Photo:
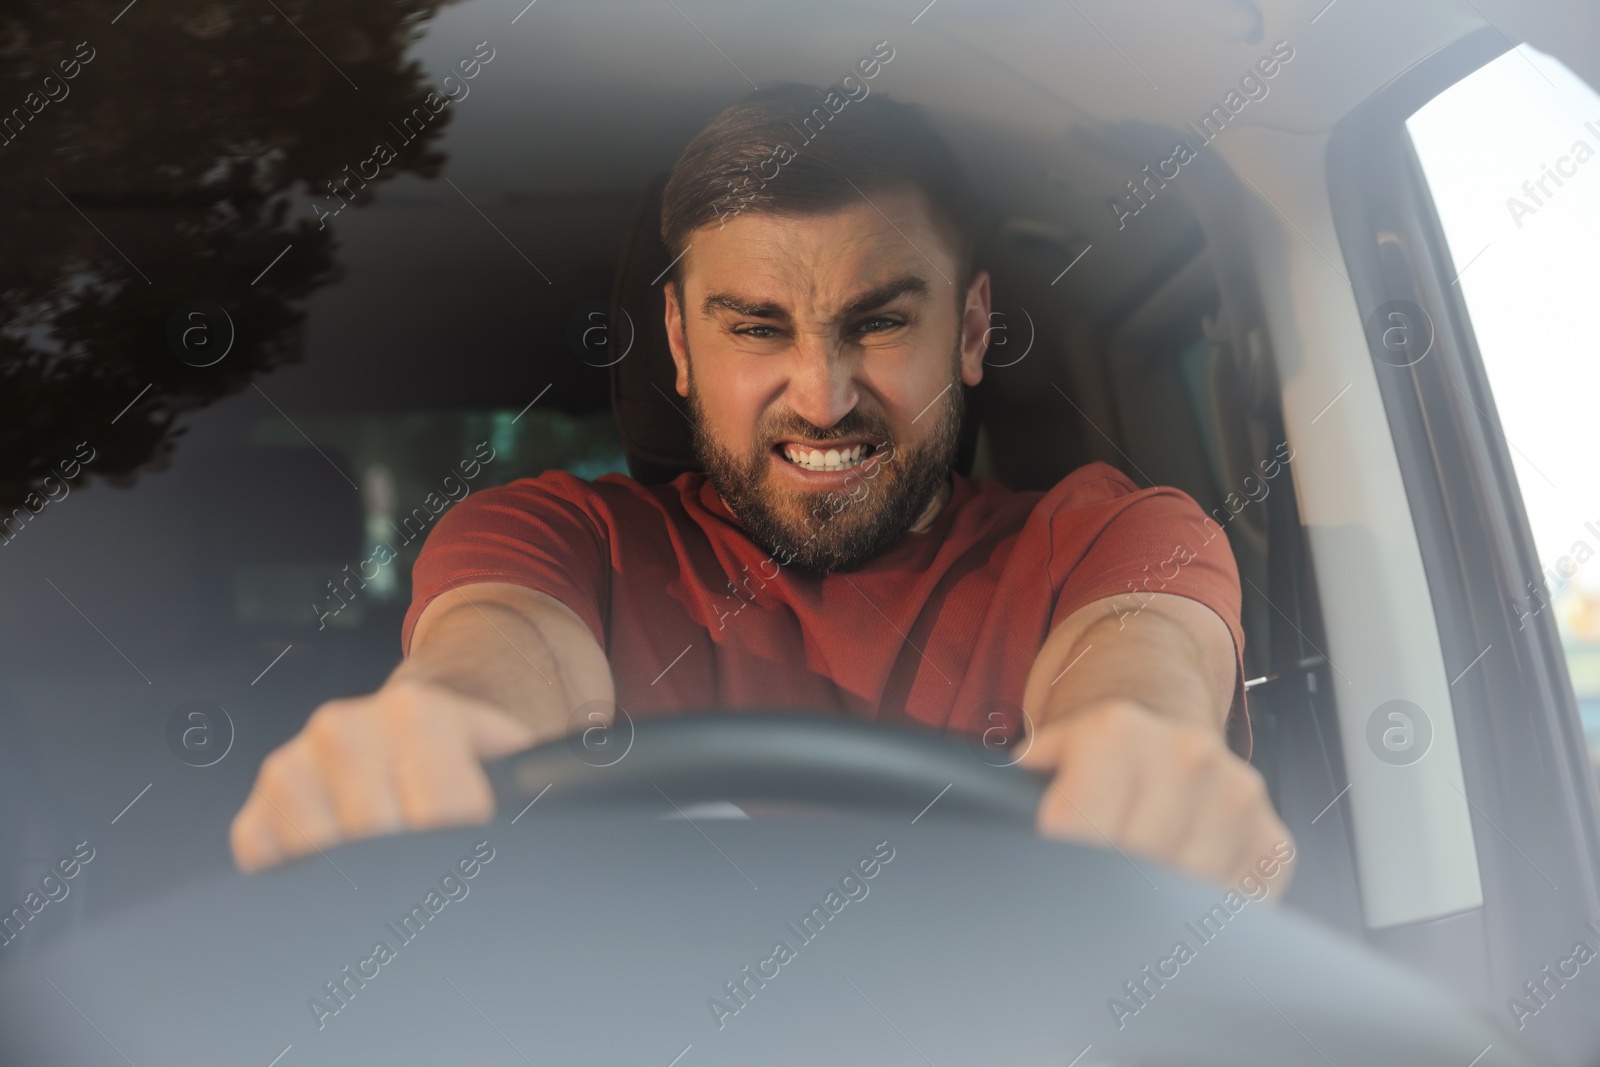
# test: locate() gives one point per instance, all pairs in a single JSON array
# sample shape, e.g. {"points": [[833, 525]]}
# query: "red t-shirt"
{"points": [[939, 631]]}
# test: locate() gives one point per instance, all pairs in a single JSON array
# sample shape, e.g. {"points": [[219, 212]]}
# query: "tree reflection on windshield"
{"points": [[148, 167]]}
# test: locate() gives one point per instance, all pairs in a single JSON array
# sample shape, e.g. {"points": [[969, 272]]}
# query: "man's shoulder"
{"points": [[1090, 484], [1098, 494]]}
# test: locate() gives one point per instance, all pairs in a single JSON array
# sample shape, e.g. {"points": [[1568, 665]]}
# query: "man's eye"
{"points": [[878, 324]]}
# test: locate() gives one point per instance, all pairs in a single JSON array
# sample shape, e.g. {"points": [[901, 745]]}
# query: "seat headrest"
{"points": [[651, 417], [653, 420]]}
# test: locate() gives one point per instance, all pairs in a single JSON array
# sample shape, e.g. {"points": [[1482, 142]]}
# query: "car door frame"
{"points": [[1526, 766]]}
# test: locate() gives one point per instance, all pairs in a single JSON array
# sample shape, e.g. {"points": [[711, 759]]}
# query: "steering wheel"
{"points": [[776, 755], [579, 927]]}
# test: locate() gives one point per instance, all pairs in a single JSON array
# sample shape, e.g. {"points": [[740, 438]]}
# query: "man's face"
{"points": [[839, 335]]}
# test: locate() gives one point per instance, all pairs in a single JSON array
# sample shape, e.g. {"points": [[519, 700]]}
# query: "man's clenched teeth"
{"points": [[831, 460]]}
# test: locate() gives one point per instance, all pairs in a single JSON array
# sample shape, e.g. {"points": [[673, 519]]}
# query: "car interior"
{"points": [[498, 291]]}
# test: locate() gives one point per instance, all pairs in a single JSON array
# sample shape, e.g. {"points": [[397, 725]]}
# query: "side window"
{"points": [[1511, 155]]}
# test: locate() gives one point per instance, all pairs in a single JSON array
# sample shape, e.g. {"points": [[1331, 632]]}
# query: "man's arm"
{"points": [[1128, 711], [516, 648], [493, 668]]}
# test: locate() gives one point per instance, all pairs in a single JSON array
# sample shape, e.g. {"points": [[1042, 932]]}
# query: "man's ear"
{"points": [[975, 326], [675, 338]]}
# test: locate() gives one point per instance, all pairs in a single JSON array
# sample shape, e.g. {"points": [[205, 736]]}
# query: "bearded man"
{"points": [[827, 557]]}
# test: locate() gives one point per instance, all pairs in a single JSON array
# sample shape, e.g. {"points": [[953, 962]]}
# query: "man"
{"points": [[822, 318]]}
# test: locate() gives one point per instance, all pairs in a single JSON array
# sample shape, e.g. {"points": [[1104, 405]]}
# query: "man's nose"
{"points": [[822, 387]]}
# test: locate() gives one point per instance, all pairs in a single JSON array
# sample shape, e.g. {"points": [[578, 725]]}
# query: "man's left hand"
{"points": [[1156, 787]]}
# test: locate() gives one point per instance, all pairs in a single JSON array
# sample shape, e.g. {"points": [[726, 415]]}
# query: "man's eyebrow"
{"points": [[873, 298], [910, 283]]}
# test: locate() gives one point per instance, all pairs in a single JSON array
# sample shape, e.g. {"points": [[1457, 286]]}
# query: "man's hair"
{"points": [[870, 145]]}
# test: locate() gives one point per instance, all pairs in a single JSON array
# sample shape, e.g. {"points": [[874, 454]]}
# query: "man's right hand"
{"points": [[407, 757], [493, 668]]}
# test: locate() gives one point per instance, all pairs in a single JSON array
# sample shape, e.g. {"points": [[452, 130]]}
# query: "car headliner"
{"points": [[1056, 108]]}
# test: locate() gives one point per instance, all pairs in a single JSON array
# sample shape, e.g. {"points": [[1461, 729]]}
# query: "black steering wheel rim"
{"points": [[772, 755]]}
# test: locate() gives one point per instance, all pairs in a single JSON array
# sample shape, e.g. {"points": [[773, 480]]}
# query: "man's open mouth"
{"points": [[830, 458]]}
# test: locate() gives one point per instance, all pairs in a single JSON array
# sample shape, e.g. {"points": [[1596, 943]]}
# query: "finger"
{"points": [[251, 836], [1094, 791], [1234, 830], [1260, 830], [297, 815], [249, 839], [438, 777], [1185, 783], [1043, 746], [355, 762]]}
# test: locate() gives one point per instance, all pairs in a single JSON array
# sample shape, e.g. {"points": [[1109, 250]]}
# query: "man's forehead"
{"points": [[757, 302], [828, 260]]}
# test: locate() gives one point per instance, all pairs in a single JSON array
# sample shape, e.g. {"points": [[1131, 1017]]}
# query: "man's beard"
{"points": [[826, 531]]}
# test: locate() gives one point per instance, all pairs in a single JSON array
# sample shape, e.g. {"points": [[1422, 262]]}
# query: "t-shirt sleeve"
{"points": [[1109, 538], [543, 533]]}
